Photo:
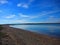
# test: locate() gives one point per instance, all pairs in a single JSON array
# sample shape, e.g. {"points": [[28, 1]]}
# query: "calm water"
{"points": [[51, 30]]}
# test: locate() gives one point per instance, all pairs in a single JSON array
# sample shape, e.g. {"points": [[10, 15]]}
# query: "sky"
{"points": [[29, 11]]}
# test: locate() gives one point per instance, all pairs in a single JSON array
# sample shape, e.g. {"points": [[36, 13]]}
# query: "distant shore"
{"points": [[29, 38], [30, 24]]}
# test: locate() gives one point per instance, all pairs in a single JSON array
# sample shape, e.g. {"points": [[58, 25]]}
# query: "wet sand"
{"points": [[23, 37]]}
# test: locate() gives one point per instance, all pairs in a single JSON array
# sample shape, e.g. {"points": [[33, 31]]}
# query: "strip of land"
{"points": [[23, 37]]}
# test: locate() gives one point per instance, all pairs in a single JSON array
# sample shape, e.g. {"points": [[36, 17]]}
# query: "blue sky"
{"points": [[29, 11]]}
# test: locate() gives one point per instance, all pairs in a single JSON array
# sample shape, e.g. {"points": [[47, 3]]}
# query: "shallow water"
{"points": [[51, 30]]}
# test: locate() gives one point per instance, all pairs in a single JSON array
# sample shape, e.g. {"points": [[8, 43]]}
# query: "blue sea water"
{"points": [[51, 30]]}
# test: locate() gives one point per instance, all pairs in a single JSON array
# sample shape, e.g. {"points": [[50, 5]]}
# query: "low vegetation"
{"points": [[1, 34], [1, 27], [1, 30]]}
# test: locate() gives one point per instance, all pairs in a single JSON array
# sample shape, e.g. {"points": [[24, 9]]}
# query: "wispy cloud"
{"points": [[19, 4], [49, 12], [3, 1], [27, 16], [22, 5], [45, 13], [25, 5], [10, 16], [41, 14], [51, 18], [22, 15]]}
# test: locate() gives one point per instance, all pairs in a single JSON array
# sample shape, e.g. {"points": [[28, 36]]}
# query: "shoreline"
{"points": [[57, 37], [32, 32], [35, 33], [30, 38]]}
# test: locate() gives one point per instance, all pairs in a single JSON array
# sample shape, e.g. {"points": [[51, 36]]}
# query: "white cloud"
{"points": [[19, 5], [28, 16], [10, 16], [22, 5], [3, 1], [25, 5], [22, 15]]}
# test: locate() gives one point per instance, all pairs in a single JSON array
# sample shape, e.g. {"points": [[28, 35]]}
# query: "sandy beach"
{"points": [[23, 37]]}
